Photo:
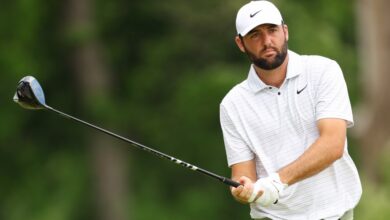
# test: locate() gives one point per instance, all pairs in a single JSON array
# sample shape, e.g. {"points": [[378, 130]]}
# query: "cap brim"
{"points": [[255, 24]]}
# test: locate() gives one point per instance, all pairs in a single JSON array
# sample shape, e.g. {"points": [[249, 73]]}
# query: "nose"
{"points": [[267, 39]]}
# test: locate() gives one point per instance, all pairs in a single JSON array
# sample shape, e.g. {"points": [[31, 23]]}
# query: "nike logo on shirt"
{"points": [[299, 91]]}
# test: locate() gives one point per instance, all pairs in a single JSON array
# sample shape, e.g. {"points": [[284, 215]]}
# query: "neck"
{"points": [[273, 77]]}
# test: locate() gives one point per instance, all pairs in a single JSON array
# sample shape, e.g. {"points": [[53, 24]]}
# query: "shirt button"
{"points": [[279, 93]]}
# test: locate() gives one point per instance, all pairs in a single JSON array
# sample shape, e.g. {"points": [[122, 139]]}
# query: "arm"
{"points": [[247, 168], [264, 191], [244, 173], [237, 150], [323, 152], [333, 111], [328, 148]]}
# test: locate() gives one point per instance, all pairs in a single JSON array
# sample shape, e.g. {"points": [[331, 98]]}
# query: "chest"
{"points": [[277, 112]]}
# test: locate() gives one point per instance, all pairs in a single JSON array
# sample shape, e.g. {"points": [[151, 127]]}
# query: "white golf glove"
{"points": [[271, 186]]}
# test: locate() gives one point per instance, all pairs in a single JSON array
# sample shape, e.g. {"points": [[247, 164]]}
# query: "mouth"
{"points": [[269, 52]]}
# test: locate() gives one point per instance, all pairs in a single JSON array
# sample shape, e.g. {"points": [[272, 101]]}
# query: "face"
{"points": [[265, 45]]}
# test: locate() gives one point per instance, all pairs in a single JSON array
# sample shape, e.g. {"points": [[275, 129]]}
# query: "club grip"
{"points": [[231, 182]]}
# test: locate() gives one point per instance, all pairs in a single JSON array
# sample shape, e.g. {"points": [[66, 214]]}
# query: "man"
{"points": [[284, 127]]}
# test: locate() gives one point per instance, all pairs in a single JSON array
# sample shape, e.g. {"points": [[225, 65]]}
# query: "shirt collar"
{"points": [[294, 68]]}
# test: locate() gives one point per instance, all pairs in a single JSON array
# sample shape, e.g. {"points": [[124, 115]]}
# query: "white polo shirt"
{"points": [[275, 126]]}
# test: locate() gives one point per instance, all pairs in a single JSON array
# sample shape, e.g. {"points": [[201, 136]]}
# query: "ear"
{"points": [[285, 30], [240, 44]]}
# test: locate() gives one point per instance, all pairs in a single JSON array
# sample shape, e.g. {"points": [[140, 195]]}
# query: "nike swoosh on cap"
{"points": [[254, 14]]}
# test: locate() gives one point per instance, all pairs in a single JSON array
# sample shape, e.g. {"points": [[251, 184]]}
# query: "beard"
{"points": [[264, 63]]}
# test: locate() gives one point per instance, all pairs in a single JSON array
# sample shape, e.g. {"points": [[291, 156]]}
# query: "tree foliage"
{"points": [[172, 62]]}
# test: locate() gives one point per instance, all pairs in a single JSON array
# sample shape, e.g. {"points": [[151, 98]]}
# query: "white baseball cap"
{"points": [[256, 13]]}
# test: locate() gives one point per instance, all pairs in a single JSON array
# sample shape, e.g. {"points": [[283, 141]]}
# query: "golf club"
{"points": [[29, 95]]}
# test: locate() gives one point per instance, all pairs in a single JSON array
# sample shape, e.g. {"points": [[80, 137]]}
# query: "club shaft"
{"points": [[225, 180]]}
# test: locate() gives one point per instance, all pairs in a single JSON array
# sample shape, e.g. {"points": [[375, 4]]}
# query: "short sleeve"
{"points": [[332, 100], [236, 149]]}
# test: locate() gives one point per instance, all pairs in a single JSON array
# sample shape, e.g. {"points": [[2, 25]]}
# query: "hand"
{"points": [[243, 192], [271, 188]]}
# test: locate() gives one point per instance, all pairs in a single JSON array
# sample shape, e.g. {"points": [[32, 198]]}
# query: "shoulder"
{"points": [[316, 67], [317, 62], [237, 93]]}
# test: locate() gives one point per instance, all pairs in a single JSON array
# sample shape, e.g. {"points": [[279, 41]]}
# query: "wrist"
{"points": [[272, 187], [277, 182]]}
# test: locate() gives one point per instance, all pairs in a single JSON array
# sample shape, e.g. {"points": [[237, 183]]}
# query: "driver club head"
{"points": [[29, 94]]}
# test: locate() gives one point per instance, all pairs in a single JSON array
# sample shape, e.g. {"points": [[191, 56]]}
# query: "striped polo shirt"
{"points": [[274, 126]]}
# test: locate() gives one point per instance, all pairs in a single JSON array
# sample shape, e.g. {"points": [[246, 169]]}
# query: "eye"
{"points": [[254, 35], [273, 30]]}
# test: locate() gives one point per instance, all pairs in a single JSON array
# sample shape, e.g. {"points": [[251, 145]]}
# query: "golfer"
{"points": [[284, 127]]}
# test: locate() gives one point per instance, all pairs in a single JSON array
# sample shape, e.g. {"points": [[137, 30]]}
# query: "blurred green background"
{"points": [[156, 71]]}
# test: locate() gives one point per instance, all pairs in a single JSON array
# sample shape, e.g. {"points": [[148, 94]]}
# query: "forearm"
{"points": [[245, 174], [320, 155]]}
